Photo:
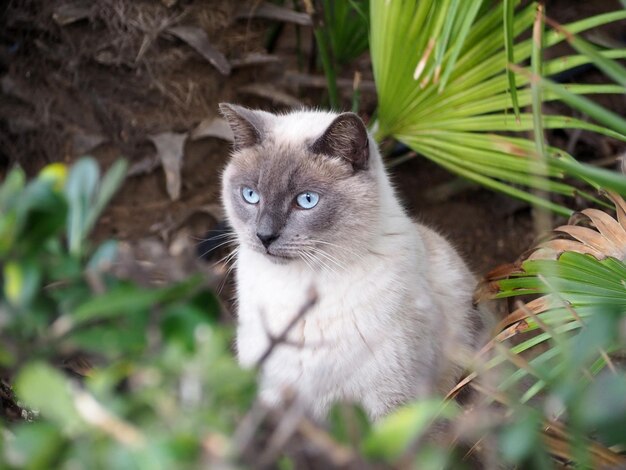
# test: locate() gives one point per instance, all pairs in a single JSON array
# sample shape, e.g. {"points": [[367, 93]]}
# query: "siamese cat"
{"points": [[311, 204]]}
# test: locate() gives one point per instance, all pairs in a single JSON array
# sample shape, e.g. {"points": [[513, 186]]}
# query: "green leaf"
{"points": [[41, 213], [9, 227], [109, 185], [346, 24], [285, 463], [22, 280], [603, 404], [35, 446], [348, 423], [466, 24], [88, 196], [391, 436], [598, 177], [127, 299], [7, 358], [11, 187], [471, 97], [509, 7], [586, 288], [519, 440], [120, 301], [611, 68], [597, 112], [179, 324], [80, 188], [104, 256], [537, 65], [124, 339], [44, 389]]}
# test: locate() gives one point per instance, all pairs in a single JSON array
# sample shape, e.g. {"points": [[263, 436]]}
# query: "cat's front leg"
{"points": [[251, 342]]}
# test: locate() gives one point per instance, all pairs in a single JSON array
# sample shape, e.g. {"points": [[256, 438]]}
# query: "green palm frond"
{"points": [[548, 353], [445, 89], [580, 276]]}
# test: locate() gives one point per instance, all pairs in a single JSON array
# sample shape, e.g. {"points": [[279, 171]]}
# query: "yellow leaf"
{"points": [[56, 173], [13, 282]]}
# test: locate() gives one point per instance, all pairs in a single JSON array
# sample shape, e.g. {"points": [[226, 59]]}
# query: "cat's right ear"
{"points": [[246, 124]]}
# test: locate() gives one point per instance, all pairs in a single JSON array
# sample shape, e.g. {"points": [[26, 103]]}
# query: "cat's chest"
{"points": [[274, 294]]}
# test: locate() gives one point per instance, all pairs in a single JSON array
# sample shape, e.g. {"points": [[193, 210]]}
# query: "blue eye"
{"points": [[250, 195], [307, 199]]}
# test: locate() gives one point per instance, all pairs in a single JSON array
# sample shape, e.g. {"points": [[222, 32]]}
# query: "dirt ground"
{"points": [[104, 78]]}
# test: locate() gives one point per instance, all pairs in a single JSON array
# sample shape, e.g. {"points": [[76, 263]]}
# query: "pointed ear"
{"points": [[346, 137], [246, 124]]}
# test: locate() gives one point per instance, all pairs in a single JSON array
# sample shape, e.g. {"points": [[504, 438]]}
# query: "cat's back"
{"points": [[451, 285], [447, 268]]}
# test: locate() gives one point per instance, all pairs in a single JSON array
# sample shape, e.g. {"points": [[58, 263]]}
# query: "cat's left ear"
{"points": [[346, 137]]}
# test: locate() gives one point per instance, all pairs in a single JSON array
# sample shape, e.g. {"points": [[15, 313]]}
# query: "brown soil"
{"points": [[117, 75]]}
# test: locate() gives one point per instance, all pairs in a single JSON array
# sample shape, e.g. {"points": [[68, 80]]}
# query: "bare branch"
{"points": [[282, 337]]}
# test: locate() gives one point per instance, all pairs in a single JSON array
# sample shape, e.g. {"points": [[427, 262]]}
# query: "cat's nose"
{"points": [[267, 238]]}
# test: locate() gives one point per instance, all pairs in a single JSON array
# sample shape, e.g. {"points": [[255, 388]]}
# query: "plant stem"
{"points": [[325, 54], [329, 68]]}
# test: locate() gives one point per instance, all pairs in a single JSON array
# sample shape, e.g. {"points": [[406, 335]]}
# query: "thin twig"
{"points": [[338, 454], [245, 432], [282, 337], [289, 422], [256, 415]]}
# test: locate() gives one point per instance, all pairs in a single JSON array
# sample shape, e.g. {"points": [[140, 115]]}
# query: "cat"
{"points": [[311, 204]]}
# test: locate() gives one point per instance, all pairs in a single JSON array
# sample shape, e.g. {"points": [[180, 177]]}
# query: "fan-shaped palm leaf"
{"points": [[445, 89], [578, 279], [580, 273]]}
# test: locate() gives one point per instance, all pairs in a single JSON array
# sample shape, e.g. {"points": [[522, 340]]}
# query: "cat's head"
{"points": [[301, 186]]}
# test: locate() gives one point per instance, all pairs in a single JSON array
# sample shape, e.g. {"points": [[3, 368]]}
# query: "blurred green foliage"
{"points": [[165, 381], [342, 35], [566, 341]]}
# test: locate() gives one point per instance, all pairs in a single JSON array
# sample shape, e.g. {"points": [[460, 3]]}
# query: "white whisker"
{"points": [[302, 257], [214, 237], [230, 261], [218, 246], [313, 251], [339, 247], [314, 261], [328, 257]]}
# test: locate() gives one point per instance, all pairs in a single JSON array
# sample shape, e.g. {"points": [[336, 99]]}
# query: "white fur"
{"points": [[389, 324]]}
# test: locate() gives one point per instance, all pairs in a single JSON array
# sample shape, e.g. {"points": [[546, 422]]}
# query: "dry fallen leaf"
{"points": [[144, 166], [212, 127], [254, 59], [274, 12], [270, 92], [83, 143], [170, 149], [198, 39], [72, 12]]}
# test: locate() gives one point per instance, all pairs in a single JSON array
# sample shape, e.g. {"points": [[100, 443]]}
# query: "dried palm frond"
{"points": [[607, 240], [579, 276], [578, 281]]}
